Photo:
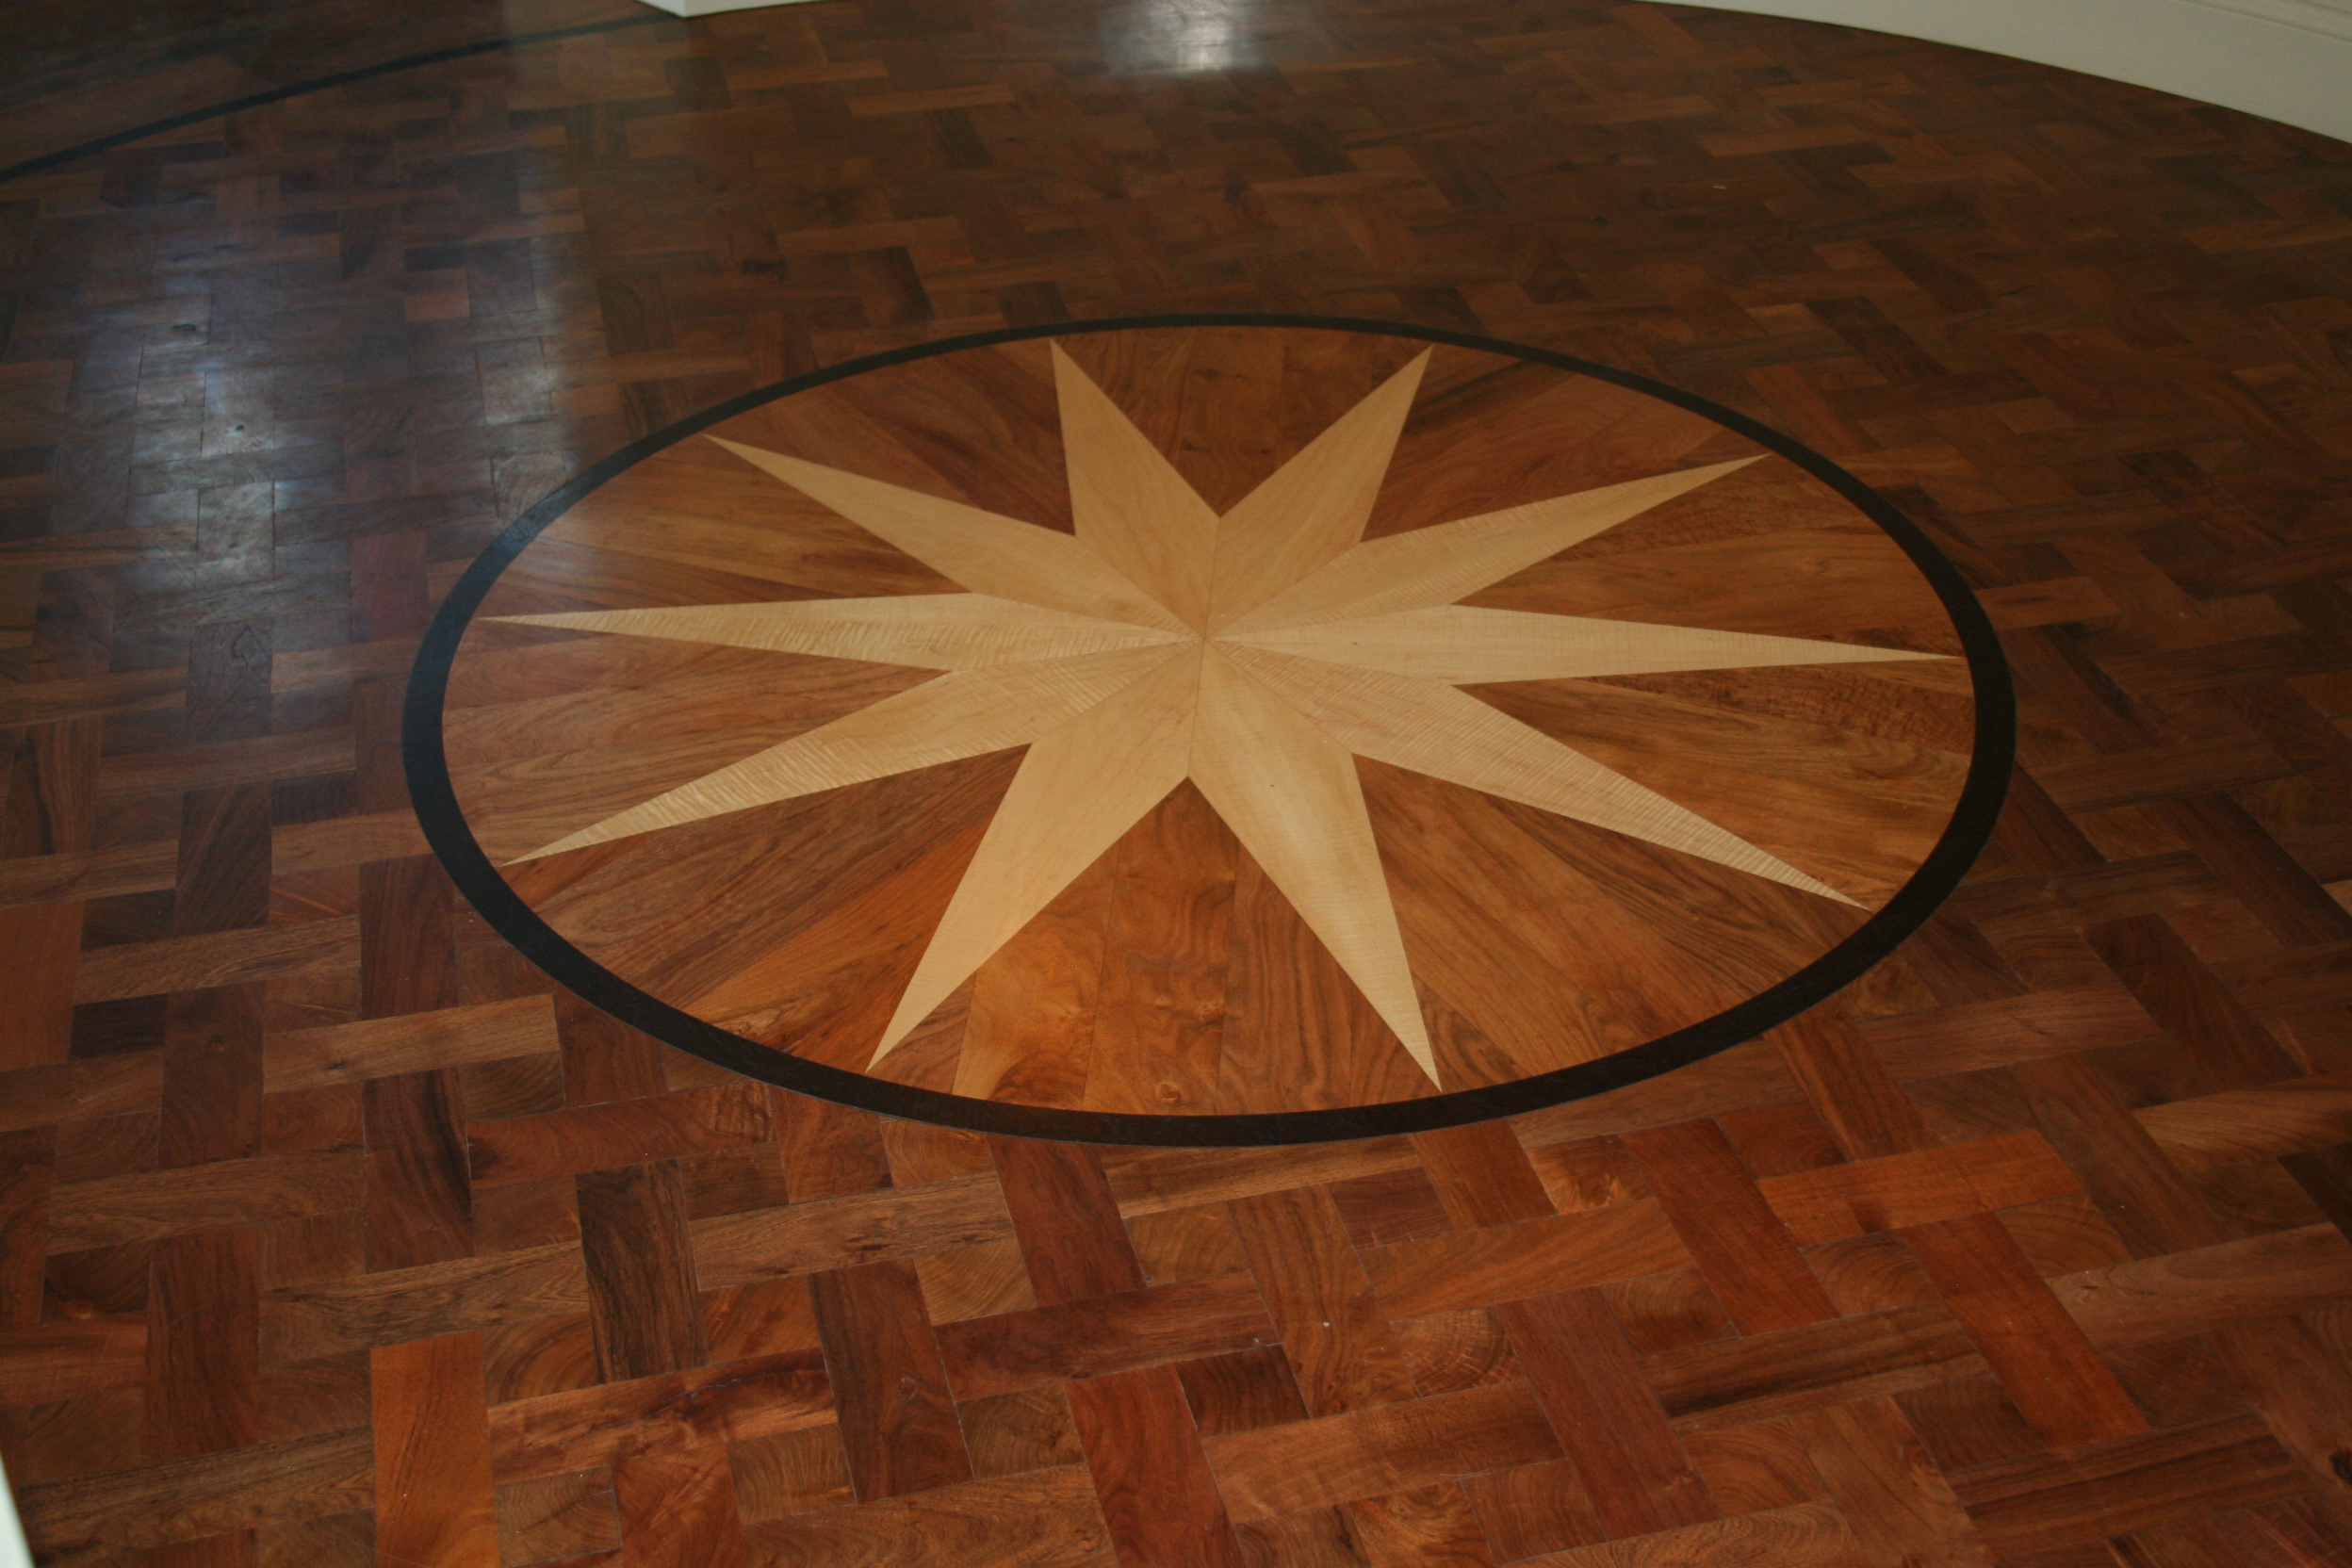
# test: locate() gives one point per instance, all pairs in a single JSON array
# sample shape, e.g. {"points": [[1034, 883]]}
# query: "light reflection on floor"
{"points": [[1185, 35]]}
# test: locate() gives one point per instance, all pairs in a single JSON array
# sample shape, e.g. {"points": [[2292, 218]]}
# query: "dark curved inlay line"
{"points": [[1979, 805], [317, 84]]}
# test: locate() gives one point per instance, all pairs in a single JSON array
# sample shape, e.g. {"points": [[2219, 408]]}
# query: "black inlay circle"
{"points": [[1975, 810]]}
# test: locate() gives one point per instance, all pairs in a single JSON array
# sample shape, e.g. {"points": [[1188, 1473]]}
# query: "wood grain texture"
{"points": [[274, 378], [1751, 1261], [1159, 1501], [1585, 1375], [1313, 508], [2061, 1389], [1111, 727], [898, 1426], [1290, 792], [433, 1453]]}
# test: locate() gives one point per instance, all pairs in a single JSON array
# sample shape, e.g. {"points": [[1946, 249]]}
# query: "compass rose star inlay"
{"points": [[1256, 654]]}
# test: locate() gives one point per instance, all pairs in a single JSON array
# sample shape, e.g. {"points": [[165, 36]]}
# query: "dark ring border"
{"points": [[1939, 874]]}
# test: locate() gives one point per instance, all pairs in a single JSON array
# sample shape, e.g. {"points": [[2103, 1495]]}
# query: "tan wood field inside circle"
{"points": [[1209, 720]]}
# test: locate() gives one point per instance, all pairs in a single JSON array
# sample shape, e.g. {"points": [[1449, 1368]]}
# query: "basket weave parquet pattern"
{"points": [[332, 1238]]}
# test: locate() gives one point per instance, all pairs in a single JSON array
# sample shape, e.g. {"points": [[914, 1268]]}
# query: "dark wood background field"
{"points": [[332, 1237]]}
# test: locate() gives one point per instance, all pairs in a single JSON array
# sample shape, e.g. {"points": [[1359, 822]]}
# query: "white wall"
{"points": [[2283, 59]]}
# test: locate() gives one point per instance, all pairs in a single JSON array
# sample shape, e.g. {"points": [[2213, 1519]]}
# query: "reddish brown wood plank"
{"points": [[433, 1453], [552, 1434], [633, 1239], [2041, 1357], [1633, 1467], [1015, 1350], [1158, 1495], [203, 1343], [898, 1422], [1482, 1175], [677, 1511], [1531, 1258], [1065, 1219], [1321, 1303], [1732, 1235], [1913, 1189]]}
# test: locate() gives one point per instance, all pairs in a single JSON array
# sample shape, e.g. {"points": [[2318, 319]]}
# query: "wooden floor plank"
{"points": [[2057, 1385], [679, 1509], [1337, 1340], [898, 1422], [1065, 1219], [1158, 1499], [1747, 1256], [433, 1453], [1608, 1419]]}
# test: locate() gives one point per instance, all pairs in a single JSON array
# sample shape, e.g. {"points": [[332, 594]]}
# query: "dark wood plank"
{"points": [[1732, 1235], [587, 1426], [434, 1501], [1331, 1326], [1014, 1350], [605, 1060], [2230, 1045], [829, 1150], [1071, 1237], [1633, 1468], [1158, 1496], [678, 1510], [419, 1204], [2044, 1361], [898, 1422], [212, 1076], [1849, 1084], [203, 1345], [1482, 1175], [642, 1296]]}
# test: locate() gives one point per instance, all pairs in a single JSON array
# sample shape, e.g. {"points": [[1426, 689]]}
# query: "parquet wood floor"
{"points": [[333, 1236]]}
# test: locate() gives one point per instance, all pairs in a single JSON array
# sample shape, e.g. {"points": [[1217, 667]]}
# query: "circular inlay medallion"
{"points": [[1209, 731]]}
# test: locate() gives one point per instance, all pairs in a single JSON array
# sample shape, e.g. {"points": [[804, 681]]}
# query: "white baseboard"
{"points": [[2289, 61]]}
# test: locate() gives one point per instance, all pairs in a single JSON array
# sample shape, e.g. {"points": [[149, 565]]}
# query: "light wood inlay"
{"points": [[1438, 565], [1289, 789], [1270, 656], [932, 632], [987, 553], [1462, 645], [1081, 785], [1315, 506], [1129, 502], [1433, 729], [962, 714]]}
